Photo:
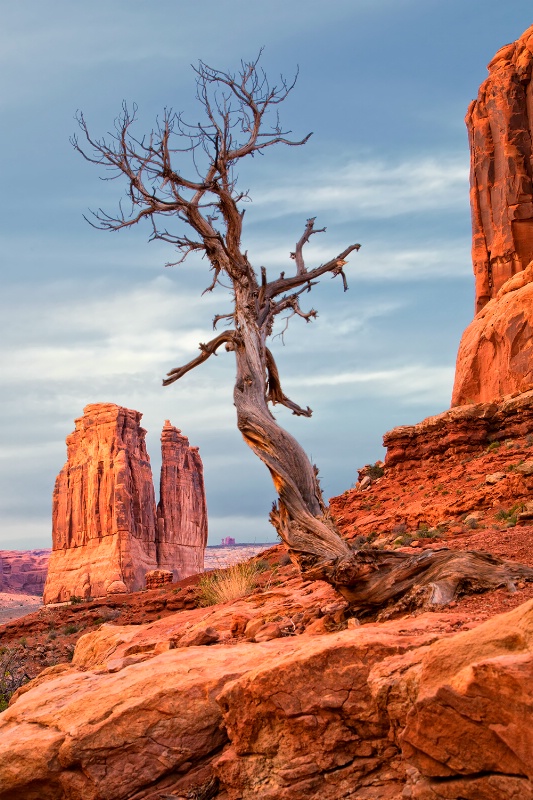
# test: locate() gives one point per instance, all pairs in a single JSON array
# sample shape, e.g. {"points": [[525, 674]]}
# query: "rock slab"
{"points": [[404, 709]]}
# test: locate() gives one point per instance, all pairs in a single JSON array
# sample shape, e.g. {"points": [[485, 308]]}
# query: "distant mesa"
{"points": [[495, 356], [228, 541], [106, 530], [23, 571]]}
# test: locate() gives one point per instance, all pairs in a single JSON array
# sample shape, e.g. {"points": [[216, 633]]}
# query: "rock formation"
{"points": [[410, 708], [107, 533], [181, 512], [495, 355], [104, 514], [24, 571], [439, 476], [500, 127]]}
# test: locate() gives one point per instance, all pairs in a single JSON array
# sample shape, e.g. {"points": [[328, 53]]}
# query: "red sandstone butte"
{"points": [[182, 512], [495, 354], [104, 513]]}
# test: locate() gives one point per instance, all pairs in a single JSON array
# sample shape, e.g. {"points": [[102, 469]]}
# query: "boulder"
{"points": [[182, 511], [158, 577], [103, 512]]}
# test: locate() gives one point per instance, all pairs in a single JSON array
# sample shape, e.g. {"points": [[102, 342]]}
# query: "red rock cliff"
{"points": [[182, 512], [496, 353], [104, 514]]}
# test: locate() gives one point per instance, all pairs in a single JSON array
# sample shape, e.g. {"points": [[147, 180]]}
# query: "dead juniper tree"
{"points": [[187, 174]]}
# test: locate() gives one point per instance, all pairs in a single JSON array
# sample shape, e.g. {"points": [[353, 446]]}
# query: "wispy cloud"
{"points": [[404, 380], [368, 188]]}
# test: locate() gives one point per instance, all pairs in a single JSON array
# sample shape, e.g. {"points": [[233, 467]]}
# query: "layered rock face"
{"points": [[500, 127], [181, 512], [103, 513], [495, 354], [474, 459]]}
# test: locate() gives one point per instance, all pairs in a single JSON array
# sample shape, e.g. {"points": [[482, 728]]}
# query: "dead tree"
{"points": [[206, 208]]}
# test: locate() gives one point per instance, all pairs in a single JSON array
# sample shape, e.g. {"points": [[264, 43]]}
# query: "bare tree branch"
{"points": [[275, 393], [207, 350]]}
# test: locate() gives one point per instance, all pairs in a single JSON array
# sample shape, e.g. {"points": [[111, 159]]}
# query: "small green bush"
{"points": [[70, 628], [375, 471]]}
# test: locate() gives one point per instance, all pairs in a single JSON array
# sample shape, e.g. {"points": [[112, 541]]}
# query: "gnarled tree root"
{"points": [[391, 582]]}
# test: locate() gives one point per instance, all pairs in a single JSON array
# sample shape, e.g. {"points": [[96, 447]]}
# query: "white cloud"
{"points": [[413, 383], [368, 188]]}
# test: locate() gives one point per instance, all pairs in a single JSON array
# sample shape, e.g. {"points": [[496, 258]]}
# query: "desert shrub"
{"points": [[375, 471], [224, 585], [74, 599], [12, 674], [493, 446], [510, 516], [70, 628]]}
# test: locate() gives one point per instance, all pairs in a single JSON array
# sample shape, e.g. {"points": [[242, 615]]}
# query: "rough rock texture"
{"points": [[103, 515], [158, 577], [394, 710], [495, 354], [182, 511], [24, 570], [439, 473], [500, 127]]}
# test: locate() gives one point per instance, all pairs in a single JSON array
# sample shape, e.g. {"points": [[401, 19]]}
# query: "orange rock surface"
{"points": [[373, 711], [495, 354], [103, 514], [106, 531], [500, 127], [182, 511]]}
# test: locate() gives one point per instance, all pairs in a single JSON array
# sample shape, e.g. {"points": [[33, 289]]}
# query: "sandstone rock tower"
{"points": [[182, 512], [106, 531], [496, 352], [103, 510]]}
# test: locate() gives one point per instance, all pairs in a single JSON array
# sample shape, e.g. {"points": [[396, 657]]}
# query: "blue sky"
{"points": [[91, 317]]}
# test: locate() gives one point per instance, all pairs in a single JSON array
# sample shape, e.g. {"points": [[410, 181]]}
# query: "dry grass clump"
{"points": [[224, 585], [12, 675]]}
